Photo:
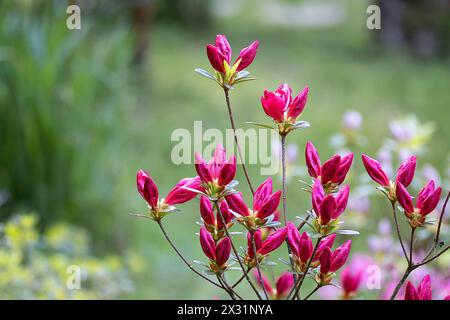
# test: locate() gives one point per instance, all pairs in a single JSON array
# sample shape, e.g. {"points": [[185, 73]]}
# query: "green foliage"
{"points": [[36, 267]]}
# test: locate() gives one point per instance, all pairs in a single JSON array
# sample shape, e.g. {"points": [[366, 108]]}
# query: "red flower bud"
{"points": [[227, 216], [206, 211], [429, 199], [270, 205], [223, 251], [273, 105], [423, 291], [284, 284], [247, 55], [326, 242], [329, 168], [237, 204], [216, 58], [404, 198], [202, 168], [340, 255], [344, 167], [341, 201], [147, 188], [405, 172], [327, 209], [325, 261], [293, 238], [375, 171], [350, 281], [224, 47], [312, 160], [265, 281], [208, 244], [306, 247], [318, 194], [258, 242], [262, 193], [227, 172], [181, 195], [298, 104], [273, 241]]}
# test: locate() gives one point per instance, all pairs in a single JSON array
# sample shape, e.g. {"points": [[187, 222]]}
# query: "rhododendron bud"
{"points": [[312, 160], [340, 255], [262, 193], [298, 104], [258, 242], [293, 238], [423, 291], [206, 211], [227, 172], [147, 188], [325, 261], [427, 201], [247, 55], [237, 204], [273, 241], [404, 198], [326, 242], [341, 201], [216, 58], [179, 193], [226, 214], [208, 244], [273, 105], [223, 251], [350, 281], [327, 209], [375, 171], [284, 110], [270, 205], [405, 172], [224, 47], [306, 247], [344, 167], [284, 284], [318, 194], [202, 168], [329, 168], [428, 198]]}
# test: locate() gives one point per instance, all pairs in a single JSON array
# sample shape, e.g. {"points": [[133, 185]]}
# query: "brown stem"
{"points": [[258, 268], [302, 224], [312, 292], [225, 287], [182, 257], [298, 285], [216, 204], [283, 165], [239, 281], [230, 115], [394, 212], [401, 282], [432, 258]]}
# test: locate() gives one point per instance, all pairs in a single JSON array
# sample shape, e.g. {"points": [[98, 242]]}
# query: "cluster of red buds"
{"points": [[223, 208]]}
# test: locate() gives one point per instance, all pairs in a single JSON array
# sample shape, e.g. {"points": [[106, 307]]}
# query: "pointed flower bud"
{"points": [[404, 198], [147, 188], [405, 172], [312, 160], [423, 291], [227, 172], [223, 251], [206, 211], [329, 168], [258, 242], [207, 243], [350, 281], [340, 255], [247, 55], [375, 171], [325, 261], [298, 104], [428, 198], [326, 242], [273, 241], [284, 284], [179, 193], [237, 204]]}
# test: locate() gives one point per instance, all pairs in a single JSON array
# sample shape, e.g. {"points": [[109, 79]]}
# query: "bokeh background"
{"points": [[82, 110]]}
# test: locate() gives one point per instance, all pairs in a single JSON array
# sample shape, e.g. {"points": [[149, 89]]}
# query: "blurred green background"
{"points": [[82, 110]]}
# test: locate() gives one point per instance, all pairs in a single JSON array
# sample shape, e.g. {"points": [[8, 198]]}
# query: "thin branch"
{"points": [[436, 256], [401, 282], [239, 281], [301, 225], [438, 231], [230, 115], [394, 212], [255, 256], [312, 292], [216, 204], [283, 164], [182, 257], [225, 287]]}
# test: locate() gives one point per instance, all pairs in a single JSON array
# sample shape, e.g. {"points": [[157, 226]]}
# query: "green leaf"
{"points": [[205, 74], [260, 124]]}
